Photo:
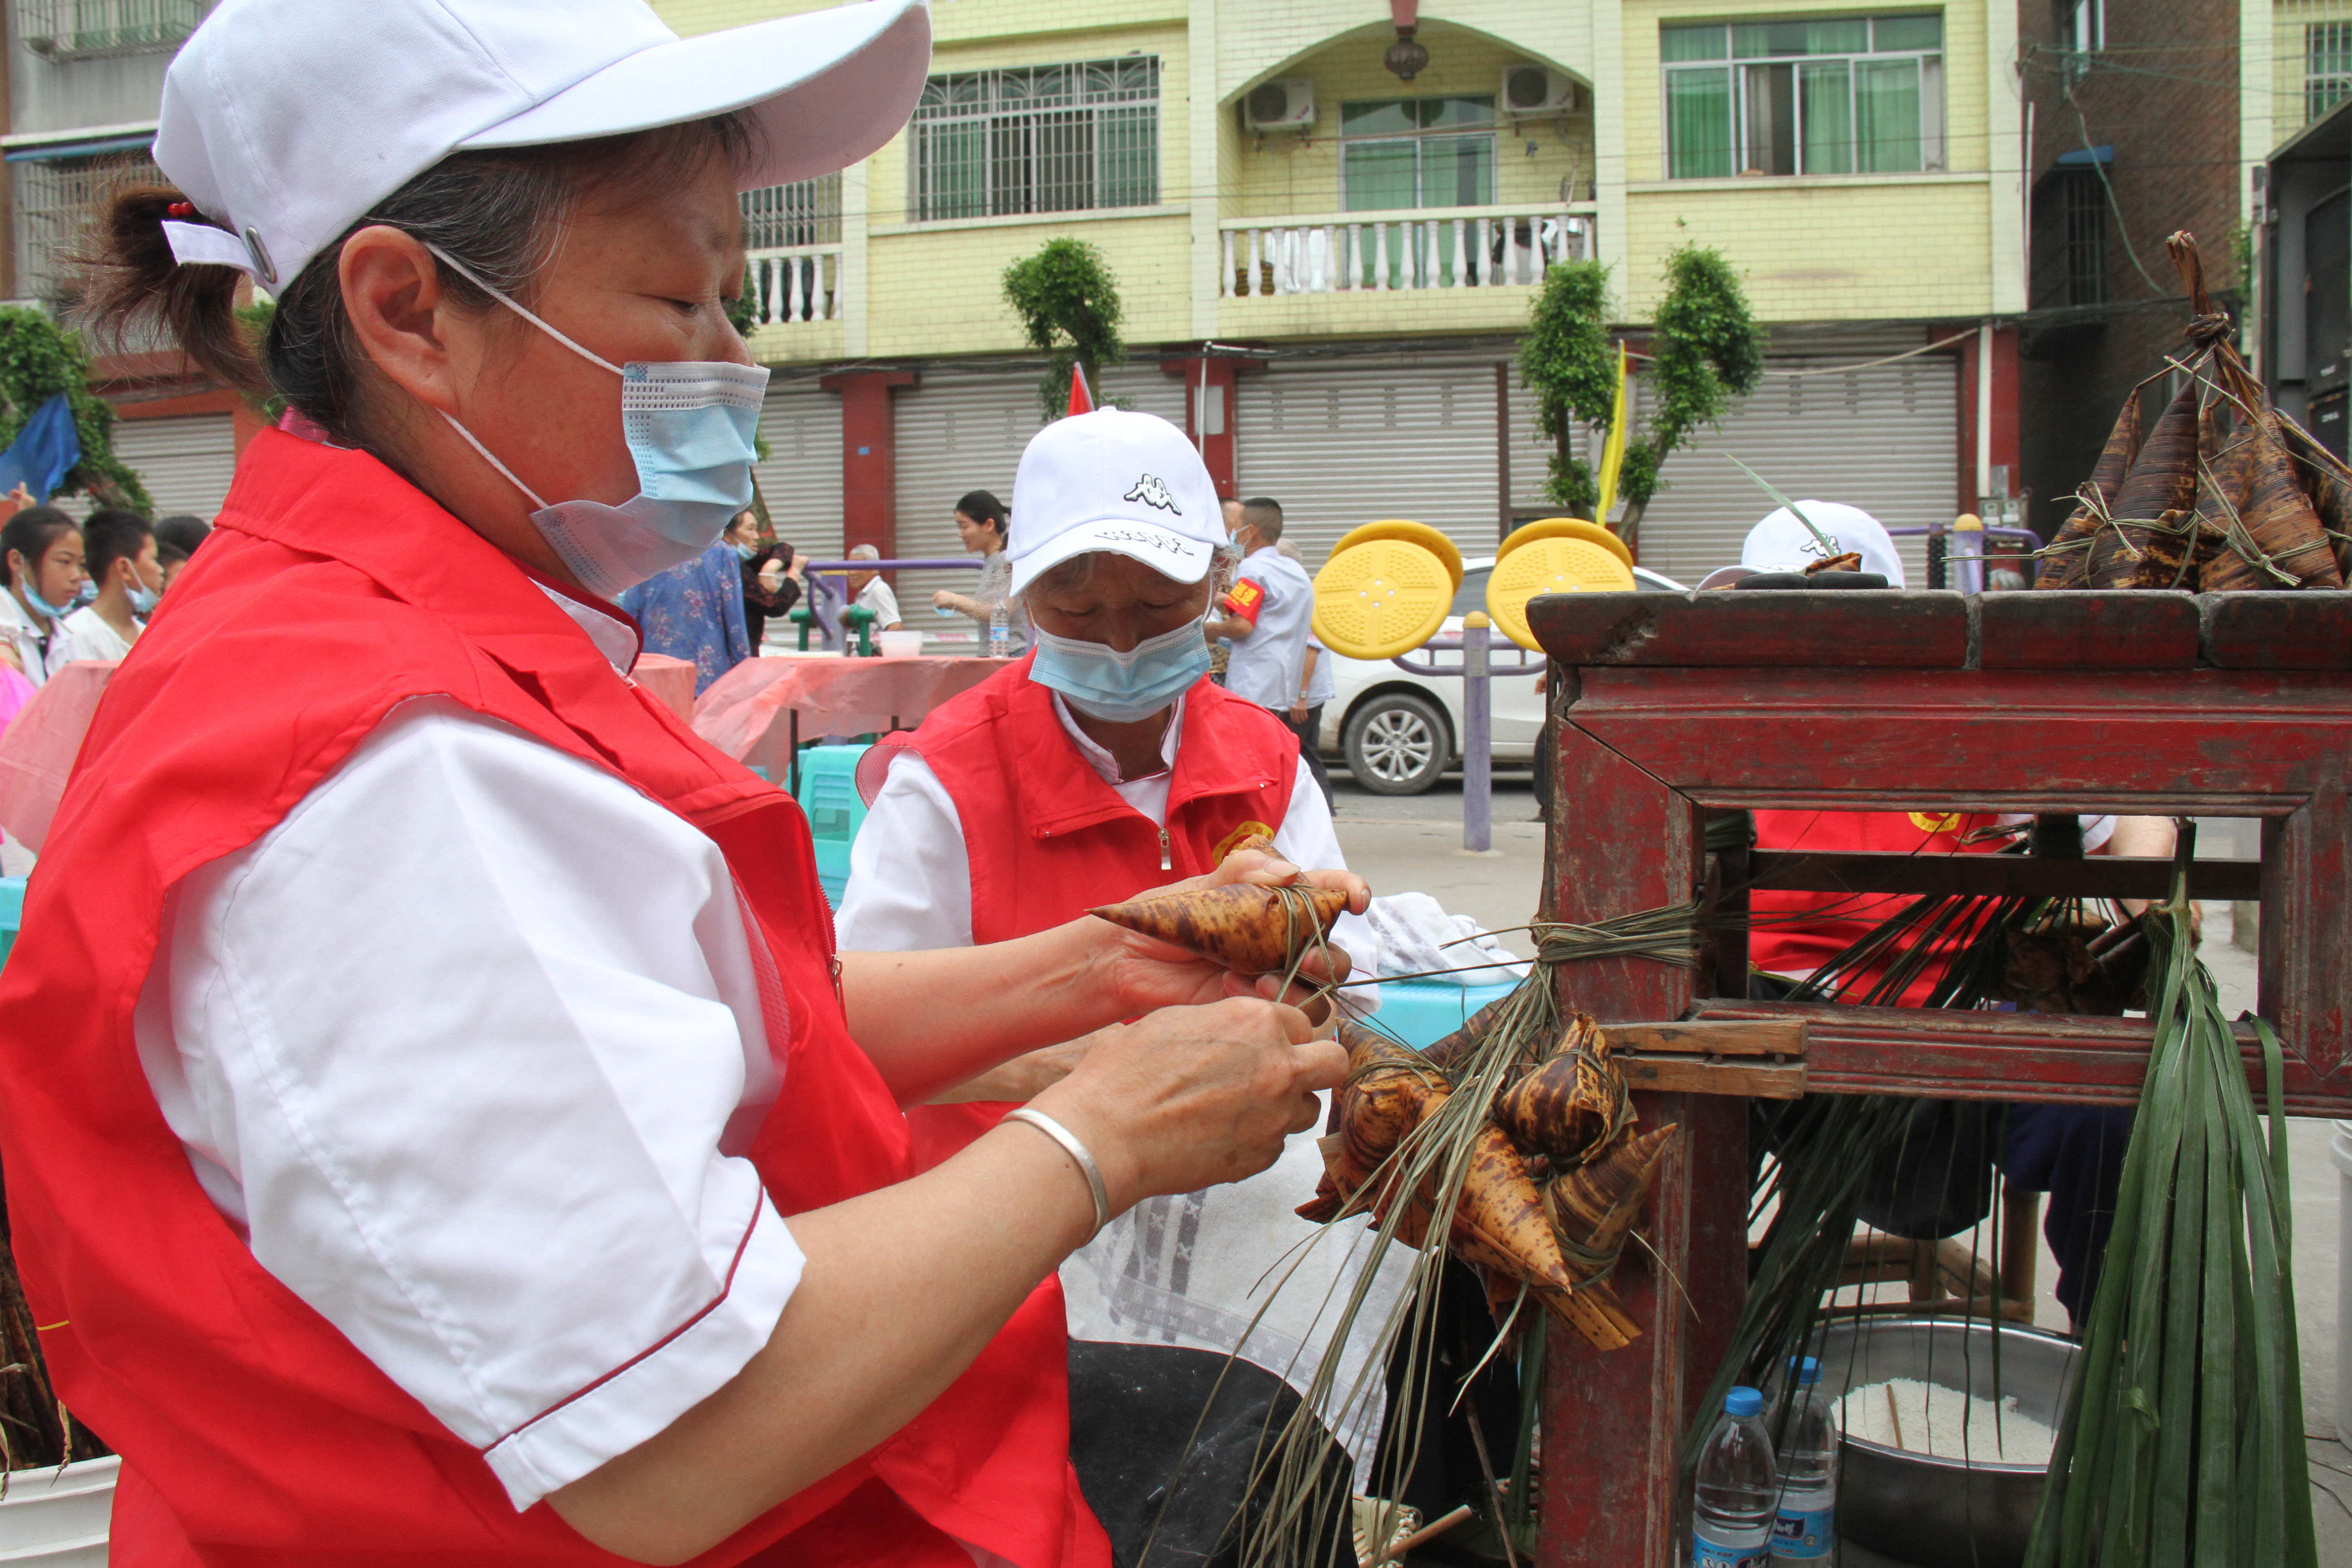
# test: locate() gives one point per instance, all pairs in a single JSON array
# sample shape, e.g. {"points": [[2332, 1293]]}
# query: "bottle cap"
{"points": [[1808, 1370], [1742, 1402]]}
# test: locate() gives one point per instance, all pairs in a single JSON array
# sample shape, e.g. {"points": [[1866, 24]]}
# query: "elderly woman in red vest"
{"points": [[1103, 764], [437, 1125]]}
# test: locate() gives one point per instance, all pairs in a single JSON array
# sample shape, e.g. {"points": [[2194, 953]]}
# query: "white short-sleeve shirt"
{"points": [[457, 1047]]}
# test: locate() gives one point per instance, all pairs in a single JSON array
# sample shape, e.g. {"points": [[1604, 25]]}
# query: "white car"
{"points": [[1398, 732]]}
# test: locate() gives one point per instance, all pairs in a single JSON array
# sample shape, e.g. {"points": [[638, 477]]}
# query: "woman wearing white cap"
{"points": [[1103, 764], [446, 1137]]}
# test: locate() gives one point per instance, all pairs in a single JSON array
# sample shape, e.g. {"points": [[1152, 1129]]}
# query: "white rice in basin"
{"points": [[1945, 1424]]}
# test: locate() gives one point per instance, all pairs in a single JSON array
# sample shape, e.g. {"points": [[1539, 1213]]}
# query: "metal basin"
{"points": [[1938, 1513]]}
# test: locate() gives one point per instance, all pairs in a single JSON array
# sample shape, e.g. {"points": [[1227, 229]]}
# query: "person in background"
{"points": [[695, 611], [1099, 766], [182, 533], [772, 578], [980, 523], [120, 555], [875, 593], [1277, 663], [176, 538], [42, 548]]}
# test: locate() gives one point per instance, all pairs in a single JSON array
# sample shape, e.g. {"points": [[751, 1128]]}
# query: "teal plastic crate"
{"points": [[12, 913], [1423, 1011], [829, 795]]}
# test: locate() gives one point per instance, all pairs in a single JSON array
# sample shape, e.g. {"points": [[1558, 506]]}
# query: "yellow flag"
{"points": [[1612, 453]]}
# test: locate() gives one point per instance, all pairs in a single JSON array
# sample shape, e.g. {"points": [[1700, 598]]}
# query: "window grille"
{"points": [[1834, 96], [56, 204], [79, 29], [2327, 67], [806, 212], [2085, 208], [1039, 139]]}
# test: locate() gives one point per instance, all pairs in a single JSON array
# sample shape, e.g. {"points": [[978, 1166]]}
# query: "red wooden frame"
{"points": [[1668, 706]]}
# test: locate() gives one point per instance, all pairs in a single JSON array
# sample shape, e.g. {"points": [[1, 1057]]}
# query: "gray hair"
{"points": [[863, 552]]}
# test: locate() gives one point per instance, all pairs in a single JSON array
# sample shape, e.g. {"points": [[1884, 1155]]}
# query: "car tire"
{"points": [[1397, 744]]}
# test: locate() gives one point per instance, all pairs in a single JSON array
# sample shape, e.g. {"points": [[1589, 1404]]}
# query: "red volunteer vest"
{"points": [[253, 1432], [1842, 919], [1049, 840]]}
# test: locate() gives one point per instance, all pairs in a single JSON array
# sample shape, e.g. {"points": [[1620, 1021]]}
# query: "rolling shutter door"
{"points": [[964, 431], [185, 460], [1342, 447], [1884, 439], [800, 480]]}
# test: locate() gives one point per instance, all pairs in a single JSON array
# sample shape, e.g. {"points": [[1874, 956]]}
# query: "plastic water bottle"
{"points": [[1732, 1514], [1806, 1530], [1000, 631]]}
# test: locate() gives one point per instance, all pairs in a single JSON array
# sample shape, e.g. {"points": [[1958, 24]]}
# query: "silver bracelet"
{"points": [[1075, 1151]]}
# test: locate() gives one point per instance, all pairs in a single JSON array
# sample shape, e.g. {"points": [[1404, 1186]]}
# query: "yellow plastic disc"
{"points": [[1555, 565], [1380, 599], [1565, 528], [1419, 533]]}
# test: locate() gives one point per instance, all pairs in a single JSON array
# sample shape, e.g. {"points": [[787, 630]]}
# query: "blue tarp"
{"points": [[42, 453]]}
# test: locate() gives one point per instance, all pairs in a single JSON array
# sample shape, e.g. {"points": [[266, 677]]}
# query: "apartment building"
{"points": [[1327, 219], [84, 79]]}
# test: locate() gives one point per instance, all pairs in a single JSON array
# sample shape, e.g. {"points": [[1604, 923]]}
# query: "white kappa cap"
{"points": [[1114, 480], [289, 119], [1781, 543]]}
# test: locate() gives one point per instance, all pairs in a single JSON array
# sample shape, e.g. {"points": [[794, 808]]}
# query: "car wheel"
{"points": [[1397, 744]]}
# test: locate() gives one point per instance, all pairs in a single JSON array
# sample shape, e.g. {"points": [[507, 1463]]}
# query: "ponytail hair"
{"points": [[134, 282]]}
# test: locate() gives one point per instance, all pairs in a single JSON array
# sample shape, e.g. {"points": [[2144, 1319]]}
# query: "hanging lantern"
{"points": [[1408, 57]]}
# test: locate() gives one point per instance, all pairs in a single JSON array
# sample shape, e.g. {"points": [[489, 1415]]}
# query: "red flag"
{"points": [[1082, 397]]}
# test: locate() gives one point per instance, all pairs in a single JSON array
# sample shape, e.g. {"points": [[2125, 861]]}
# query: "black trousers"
{"points": [[1307, 749], [1167, 1441]]}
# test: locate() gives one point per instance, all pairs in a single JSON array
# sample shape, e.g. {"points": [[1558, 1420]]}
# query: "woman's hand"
{"points": [[1143, 973], [1193, 1096], [947, 599]]}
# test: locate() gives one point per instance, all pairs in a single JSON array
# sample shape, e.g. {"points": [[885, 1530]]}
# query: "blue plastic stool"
{"points": [[1423, 1011], [829, 795], [12, 913]]}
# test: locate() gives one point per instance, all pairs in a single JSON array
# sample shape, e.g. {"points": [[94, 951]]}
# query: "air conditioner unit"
{"points": [[1534, 90], [1286, 103]]}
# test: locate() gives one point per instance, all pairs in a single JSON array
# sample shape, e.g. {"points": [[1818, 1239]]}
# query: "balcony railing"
{"points": [[794, 283], [80, 29], [1444, 248]]}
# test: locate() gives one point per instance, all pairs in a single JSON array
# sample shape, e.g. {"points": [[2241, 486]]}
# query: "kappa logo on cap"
{"points": [[1151, 492]]}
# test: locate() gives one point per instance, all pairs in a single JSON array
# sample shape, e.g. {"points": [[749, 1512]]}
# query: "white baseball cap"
{"points": [[1115, 480], [289, 119], [1781, 543]]}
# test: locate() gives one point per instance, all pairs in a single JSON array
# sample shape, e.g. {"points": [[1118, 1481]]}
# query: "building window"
{"points": [[2085, 205], [1405, 152], [2327, 67], [79, 29], [2082, 34], [806, 212], [1851, 95], [55, 200], [1043, 139]]}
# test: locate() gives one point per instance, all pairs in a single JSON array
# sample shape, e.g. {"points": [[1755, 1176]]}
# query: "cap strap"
{"points": [[201, 244], [469, 275]]}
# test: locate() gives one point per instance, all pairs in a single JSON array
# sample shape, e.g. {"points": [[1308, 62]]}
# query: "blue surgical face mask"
{"points": [[86, 594], [144, 599], [1122, 688], [41, 606], [689, 425]]}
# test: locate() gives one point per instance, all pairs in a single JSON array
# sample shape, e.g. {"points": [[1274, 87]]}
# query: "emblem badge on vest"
{"points": [[1151, 492]]}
